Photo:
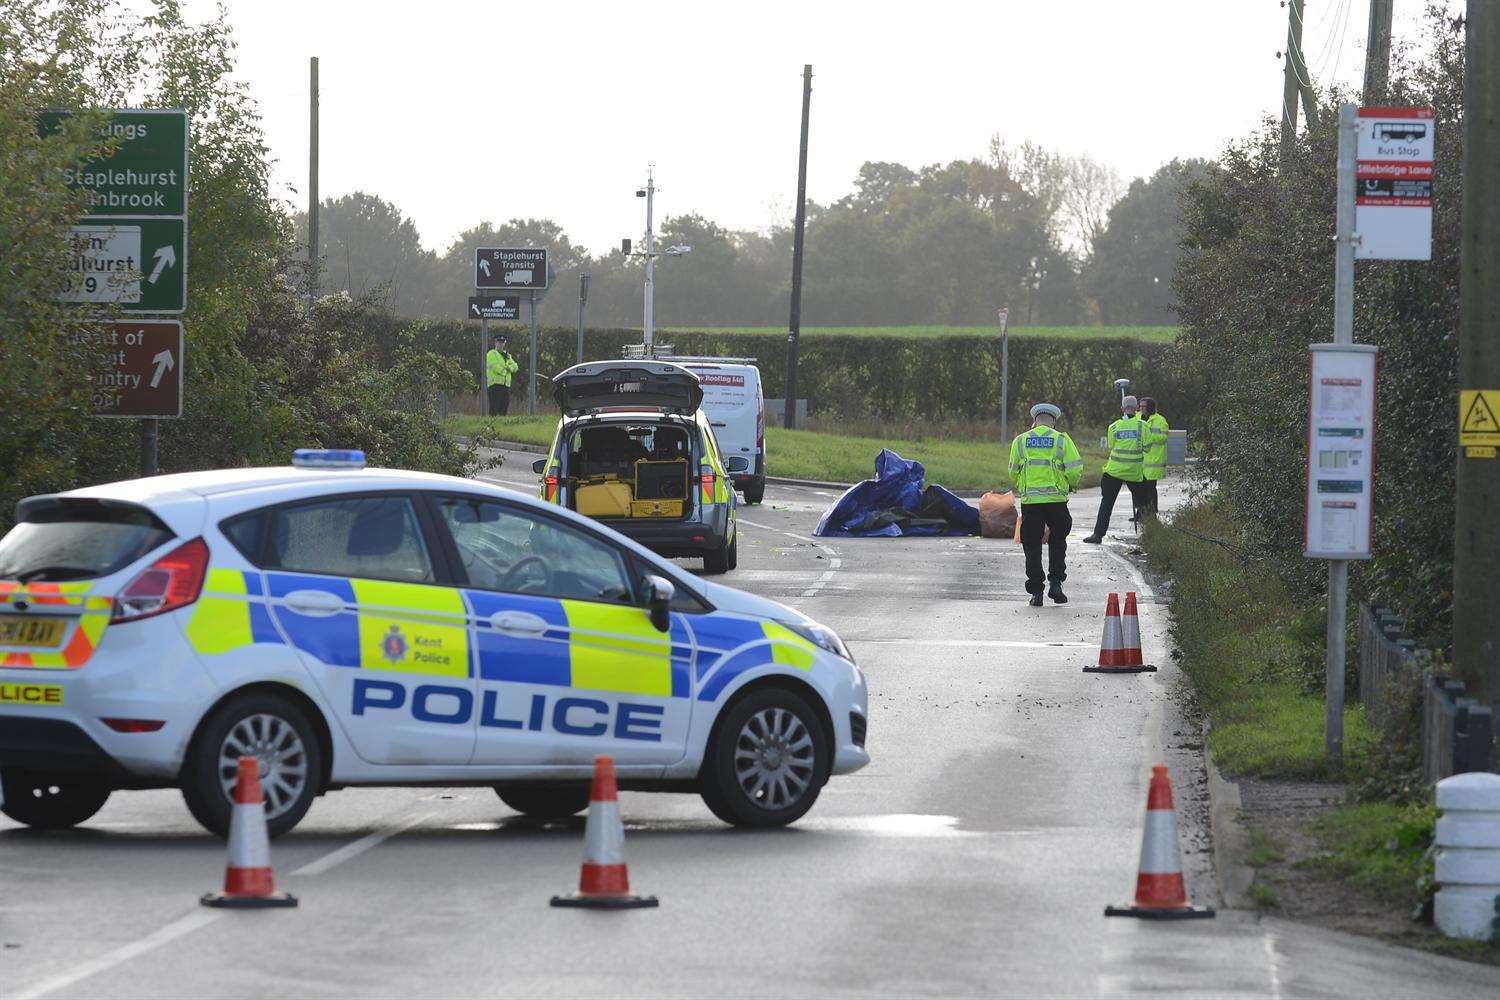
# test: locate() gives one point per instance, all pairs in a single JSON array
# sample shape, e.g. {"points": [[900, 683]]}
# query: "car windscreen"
{"points": [[60, 540]]}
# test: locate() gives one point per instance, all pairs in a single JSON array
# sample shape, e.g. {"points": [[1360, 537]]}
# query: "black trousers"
{"points": [[499, 400], [1034, 518], [1109, 488]]}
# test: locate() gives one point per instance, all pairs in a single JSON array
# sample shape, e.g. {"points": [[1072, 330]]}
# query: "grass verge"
{"points": [[1246, 644], [957, 463], [1154, 334], [1379, 847]]}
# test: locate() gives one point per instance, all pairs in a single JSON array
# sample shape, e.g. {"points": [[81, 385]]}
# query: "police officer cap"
{"points": [[1046, 408]]}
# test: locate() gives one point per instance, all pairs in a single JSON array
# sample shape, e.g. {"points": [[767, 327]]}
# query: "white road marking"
{"points": [[124, 953], [358, 847], [892, 825], [185, 925], [834, 562], [1273, 965]]}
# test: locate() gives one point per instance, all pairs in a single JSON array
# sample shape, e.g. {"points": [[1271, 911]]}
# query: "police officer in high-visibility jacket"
{"points": [[1155, 466], [1126, 465], [1045, 467], [499, 366]]}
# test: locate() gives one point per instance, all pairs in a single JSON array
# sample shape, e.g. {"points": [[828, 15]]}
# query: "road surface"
{"points": [[975, 856]]}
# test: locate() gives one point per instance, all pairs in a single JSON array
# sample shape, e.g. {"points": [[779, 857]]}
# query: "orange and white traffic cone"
{"points": [[604, 882], [1159, 890], [1130, 623], [248, 883], [1112, 655]]}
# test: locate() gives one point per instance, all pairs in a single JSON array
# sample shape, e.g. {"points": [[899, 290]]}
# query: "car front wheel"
{"points": [[545, 803], [273, 730], [768, 761], [51, 800]]}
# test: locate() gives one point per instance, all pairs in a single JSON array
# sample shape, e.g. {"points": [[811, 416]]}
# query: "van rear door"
{"points": [[732, 402]]}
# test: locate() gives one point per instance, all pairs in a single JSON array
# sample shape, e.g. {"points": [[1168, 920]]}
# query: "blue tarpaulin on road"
{"points": [[896, 503]]}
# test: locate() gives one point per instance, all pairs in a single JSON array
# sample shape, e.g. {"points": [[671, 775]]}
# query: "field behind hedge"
{"points": [[883, 376], [1154, 334]]}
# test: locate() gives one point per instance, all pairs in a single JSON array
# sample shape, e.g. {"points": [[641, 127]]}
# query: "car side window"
{"points": [[508, 549], [376, 537]]}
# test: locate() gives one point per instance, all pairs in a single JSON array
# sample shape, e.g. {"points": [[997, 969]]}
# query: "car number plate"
{"points": [[31, 630]]}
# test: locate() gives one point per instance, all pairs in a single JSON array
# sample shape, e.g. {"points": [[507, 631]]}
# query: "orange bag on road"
{"points": [[999, 515]]}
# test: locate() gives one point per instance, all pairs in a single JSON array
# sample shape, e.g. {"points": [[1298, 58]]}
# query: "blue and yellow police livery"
{"points": [[352, 626]]}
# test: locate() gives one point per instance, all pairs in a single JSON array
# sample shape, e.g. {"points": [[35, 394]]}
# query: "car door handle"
{"points": [[314, 603], [518, 623]]}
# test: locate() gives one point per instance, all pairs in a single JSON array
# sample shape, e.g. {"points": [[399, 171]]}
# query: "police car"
{"points": [[352, 626]]}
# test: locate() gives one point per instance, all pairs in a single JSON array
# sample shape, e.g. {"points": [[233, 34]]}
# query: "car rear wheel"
{"points": [[51, 801], [768, 761], [546, 803], [721, 560], [277, 733]]}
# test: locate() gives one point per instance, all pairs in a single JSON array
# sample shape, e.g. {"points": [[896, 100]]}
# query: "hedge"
{"points": [[886, 377]]}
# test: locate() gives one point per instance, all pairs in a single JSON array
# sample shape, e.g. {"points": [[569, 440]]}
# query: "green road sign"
{"points": [[147, 173], [139, 265]]}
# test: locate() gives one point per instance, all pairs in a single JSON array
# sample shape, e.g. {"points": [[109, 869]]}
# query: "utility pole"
{"points": [[1476, 536], [1295, 81], [794, 331], [1378, 51], [650, 195], [312, 188], [1004, 316]]}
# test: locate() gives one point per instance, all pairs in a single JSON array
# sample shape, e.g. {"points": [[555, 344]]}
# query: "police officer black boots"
{"points": [[1054, 592]]}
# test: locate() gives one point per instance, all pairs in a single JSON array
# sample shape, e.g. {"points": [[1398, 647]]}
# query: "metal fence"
{"points": [[1457, 731]]}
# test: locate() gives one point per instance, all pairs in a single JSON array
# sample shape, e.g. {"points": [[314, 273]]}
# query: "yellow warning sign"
{"points": [[1479, 451], [1478, 417]]}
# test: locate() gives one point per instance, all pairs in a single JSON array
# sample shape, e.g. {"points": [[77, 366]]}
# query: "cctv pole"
{"points": [[794, 327], [650, 255], [1476, 536]]}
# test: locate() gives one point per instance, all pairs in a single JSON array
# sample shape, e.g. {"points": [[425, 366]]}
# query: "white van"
{"points": [[736, 409]]}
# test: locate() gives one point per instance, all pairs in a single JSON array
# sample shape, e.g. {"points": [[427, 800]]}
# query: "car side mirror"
{"points": [[656, 594], [539, 466], [738, 464]]}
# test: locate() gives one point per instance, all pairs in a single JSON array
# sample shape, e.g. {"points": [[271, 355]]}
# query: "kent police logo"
{"points": [[393, 645]]}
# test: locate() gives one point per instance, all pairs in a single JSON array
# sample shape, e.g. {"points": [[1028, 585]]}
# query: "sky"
{"points": [[460, 111]]}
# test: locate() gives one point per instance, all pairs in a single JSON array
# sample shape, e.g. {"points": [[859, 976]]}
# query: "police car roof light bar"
{"points": [[328, 458]]}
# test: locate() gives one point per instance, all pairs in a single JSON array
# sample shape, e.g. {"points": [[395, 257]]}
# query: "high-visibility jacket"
{"points": [[1156, 447], [1127, 452], [498, 367], [1044, 465]]}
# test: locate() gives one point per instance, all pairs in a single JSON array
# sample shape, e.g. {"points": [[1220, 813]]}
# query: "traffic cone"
{"points": [[604, 883], [247, 881], [1130, 624], [1159, 890], [1112, 653]]}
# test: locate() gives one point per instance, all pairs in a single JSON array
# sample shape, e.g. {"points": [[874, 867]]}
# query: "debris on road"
{"points": [[896, 504]]}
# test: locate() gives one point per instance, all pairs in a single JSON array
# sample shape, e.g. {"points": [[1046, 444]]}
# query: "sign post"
{"points": [[130, 252], [1004, 377], [531, 404]]}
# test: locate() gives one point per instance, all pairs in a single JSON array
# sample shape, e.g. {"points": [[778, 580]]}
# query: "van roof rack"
{"points": [[665, 352]]}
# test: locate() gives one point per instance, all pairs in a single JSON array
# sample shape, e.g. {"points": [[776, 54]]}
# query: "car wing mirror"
{"points": [[657, 593], [539, 466]]}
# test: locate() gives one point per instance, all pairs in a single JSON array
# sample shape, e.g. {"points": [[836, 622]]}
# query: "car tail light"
{"points": [[173, 581], [551, 483], [134, 725]]}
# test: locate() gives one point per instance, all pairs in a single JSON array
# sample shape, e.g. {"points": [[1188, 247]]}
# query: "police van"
{"points": [[349, 626], [635, 450], [736, 410]]}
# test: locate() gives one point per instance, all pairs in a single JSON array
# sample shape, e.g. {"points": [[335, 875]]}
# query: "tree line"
{"points": [[1057, 239]]}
